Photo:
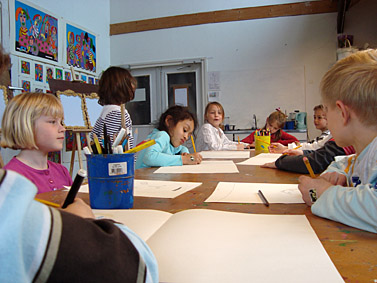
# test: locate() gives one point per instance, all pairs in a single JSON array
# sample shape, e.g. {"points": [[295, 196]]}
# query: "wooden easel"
{"points": [[82, 88], [77, 141]]}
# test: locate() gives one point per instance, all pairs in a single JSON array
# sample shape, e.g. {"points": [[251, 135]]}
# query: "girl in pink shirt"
{"points": [[32, 122]]}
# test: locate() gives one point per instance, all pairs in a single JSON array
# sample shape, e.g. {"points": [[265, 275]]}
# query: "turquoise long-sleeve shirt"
{"points": [[355, 205], [163, 153]]}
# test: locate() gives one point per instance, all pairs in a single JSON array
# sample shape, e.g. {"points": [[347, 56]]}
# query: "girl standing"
{"points": [[32, 122], [116, 87], [175, 126]]}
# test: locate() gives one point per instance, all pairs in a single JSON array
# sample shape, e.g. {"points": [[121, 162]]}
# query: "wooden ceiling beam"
{"points": [[242, 14]]}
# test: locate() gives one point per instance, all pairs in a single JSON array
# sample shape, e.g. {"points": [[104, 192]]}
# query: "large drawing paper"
{"points": [[155, 188], [261, 159], [221, 166], [248, 193], [225, 154], [162, 189], [215, 246]]}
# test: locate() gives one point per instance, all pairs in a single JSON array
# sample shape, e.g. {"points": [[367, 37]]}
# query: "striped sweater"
{"points": [[111, 115]]}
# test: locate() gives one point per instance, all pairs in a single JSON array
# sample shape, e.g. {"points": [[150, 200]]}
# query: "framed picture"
{"points": [[67, 75], [92, 109], [58, 73], [83, 78], [34, 32], [80, 48], [91, 80], [74, 110], [25, 83], [25, 67], [49, 73], [38, 72]]}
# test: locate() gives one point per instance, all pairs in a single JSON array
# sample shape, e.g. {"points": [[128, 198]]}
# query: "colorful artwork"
{"points": [[25, 67], [97, 81], [67, 76], [36, 33], [55, 157], [91, 80], [39, 72], [26, 85], [49, 73], [81, 48], [58, 74], [83, 78], [69, 140]]}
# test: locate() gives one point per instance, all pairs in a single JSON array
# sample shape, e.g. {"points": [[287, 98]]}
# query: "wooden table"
{"points": [[353, 251]]}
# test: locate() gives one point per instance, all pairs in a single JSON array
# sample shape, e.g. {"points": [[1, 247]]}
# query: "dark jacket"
{"points": [[319, 159]]}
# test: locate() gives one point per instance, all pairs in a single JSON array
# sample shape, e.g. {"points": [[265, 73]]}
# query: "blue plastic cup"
{"points": [[111, 180]]}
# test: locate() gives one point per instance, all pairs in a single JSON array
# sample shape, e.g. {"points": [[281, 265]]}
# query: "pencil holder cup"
{"points": [[262, 143], [111, 180]]}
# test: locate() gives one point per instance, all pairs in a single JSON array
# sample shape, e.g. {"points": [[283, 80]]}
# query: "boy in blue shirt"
{"points": [[347, 191]]}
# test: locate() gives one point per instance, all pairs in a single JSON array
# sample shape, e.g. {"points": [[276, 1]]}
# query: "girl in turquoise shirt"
{"points": [[175, 127]]}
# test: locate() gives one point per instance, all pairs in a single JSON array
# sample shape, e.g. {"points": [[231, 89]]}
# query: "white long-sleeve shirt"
{"points": [[315, 144], [211, 138]]}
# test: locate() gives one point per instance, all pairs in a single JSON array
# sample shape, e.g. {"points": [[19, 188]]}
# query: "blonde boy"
{"points": [[347, 191]]}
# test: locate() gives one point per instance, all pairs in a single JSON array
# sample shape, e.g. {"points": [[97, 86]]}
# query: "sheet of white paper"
{"points": [[225, 154], [217, 246], [261, 159], [83, 188], [248, 193], [162, 189], [204, 167], [143, 222], [155, 188]]}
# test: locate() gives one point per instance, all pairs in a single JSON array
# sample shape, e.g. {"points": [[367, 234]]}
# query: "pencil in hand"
{"points": [[307, 164], [193, 144]]}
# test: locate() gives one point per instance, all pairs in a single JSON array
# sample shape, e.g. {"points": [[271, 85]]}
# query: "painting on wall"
{"points": [[81, 48], [38, 72], [67, 75], [36, 32], [49, 73], [25, 67], [25, 84], [58, 73]]}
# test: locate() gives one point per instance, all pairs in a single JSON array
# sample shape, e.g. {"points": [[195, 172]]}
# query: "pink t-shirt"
{"points": [[55, 177]]}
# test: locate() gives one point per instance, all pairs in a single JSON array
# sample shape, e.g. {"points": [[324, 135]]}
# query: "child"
{"points": [[210, 136], [116, 86], [320, 122], [175, 127], [32, 122], [347, 191], [274, 123], [65, 245]]}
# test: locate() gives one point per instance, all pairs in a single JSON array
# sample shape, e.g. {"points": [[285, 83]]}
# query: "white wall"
{"points": [[267, 46]]}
